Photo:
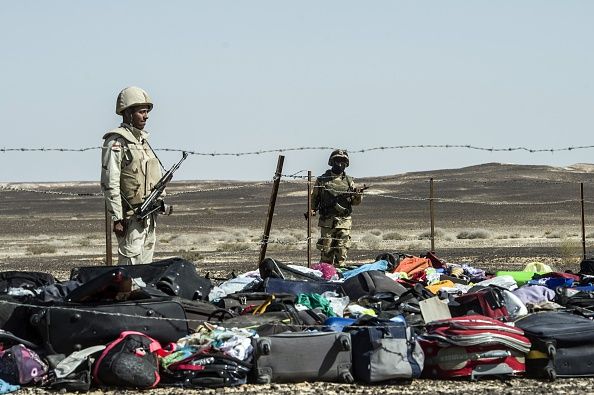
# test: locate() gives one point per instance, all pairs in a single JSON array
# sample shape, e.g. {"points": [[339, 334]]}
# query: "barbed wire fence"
{"points": [[299, 178]]}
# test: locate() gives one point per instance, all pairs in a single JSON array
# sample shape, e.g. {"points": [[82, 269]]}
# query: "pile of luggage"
{"points": [[393, 320]]}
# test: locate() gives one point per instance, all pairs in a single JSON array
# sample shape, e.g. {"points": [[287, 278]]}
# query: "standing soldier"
{"points": [[333, 196], [130, 170]]}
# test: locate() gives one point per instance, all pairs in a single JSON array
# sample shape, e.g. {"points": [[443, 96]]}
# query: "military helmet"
{"points": [[338, 153], [132, 96]]}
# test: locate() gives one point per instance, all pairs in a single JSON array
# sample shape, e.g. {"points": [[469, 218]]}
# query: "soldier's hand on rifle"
{"points": [[361, 189], [313, 214], [119, 228]]}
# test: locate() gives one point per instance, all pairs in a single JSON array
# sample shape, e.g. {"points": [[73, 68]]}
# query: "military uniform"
{"points": [[333, 197], [129, 171]]}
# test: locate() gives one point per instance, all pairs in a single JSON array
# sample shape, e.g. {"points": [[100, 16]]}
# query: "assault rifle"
{"points": [[152, 203], [348, 196]]}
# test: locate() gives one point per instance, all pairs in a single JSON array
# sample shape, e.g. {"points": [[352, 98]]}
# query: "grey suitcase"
{"points": [[303, 356]]}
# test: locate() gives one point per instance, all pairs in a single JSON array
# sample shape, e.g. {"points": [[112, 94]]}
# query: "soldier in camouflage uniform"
{"points": [[130, 169], [333, 196]]}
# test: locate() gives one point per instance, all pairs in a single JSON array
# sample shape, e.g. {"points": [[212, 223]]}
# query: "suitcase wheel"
{"points": [[551, 374], [346, 345], [264, 379], [347, 377], [551, 351], [35, 319]]}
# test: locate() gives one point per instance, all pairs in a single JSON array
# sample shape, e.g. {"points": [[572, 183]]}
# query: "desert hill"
{"points": [[487, 213]]}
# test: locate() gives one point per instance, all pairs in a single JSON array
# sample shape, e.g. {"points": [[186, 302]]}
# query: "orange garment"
{"points": [[413, 265]]}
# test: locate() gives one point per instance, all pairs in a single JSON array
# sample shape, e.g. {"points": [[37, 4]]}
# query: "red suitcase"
{"points": [[473, 346]]}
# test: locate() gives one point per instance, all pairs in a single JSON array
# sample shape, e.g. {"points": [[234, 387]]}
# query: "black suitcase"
{"points": [[562, 344], [372, 283], [272, 268], [69, 327], [295, 287], [113, 285], [197, 311], [174, 276], [241, 300], [15, 314], [303, 356]]}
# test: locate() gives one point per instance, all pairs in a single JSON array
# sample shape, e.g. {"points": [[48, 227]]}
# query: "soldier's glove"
{"points": [[164, 209], [167, 209], [313, 214], [119, 228]]}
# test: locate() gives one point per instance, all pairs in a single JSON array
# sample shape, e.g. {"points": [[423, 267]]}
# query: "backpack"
{"points": [[21, 365], [129, 361]]}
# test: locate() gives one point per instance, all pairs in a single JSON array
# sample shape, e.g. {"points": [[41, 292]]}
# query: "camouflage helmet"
{"points": [[132, 96], [338, 153]]}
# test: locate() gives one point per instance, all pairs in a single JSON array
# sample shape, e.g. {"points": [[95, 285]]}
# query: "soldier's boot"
{"points": [[341, 256], [327, 256]]}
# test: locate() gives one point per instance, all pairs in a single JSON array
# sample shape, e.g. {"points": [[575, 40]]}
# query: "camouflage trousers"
{"points": [[138, 244], [334, 245]]}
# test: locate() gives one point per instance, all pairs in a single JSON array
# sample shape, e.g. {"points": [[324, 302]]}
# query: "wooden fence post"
{"points": [[268, 225]]}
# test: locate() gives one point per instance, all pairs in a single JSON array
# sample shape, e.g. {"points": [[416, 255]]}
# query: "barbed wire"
{"points": [[218, 189], [317, 148], [11, 188]]}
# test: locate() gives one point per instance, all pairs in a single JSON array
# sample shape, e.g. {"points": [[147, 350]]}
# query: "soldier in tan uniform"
{"points": [[333, 196], [130, 169]]}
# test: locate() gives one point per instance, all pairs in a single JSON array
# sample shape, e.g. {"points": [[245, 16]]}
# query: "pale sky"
{"points": [[235, 76]]}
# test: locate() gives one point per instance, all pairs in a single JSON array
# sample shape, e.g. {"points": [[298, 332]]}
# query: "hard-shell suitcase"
{"points": [[303, 356], [562, 344], [174, 276], [473, 346], [471, 361], [69, 327]]}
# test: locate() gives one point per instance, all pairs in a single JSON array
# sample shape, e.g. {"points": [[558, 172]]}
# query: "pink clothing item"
{"points": [[328, 270]]}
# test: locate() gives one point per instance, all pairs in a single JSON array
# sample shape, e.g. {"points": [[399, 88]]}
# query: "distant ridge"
{"points": [[494, 171]]}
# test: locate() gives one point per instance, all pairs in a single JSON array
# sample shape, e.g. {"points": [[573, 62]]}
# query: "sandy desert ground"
{"points": [[494, 216]]}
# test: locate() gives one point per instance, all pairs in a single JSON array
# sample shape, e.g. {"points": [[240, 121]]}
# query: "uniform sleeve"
{"points": [[357, 197], [315, 195], [111, 162]]}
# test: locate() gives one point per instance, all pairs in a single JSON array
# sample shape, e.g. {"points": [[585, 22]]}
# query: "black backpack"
{"points": [[129, 361]]}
